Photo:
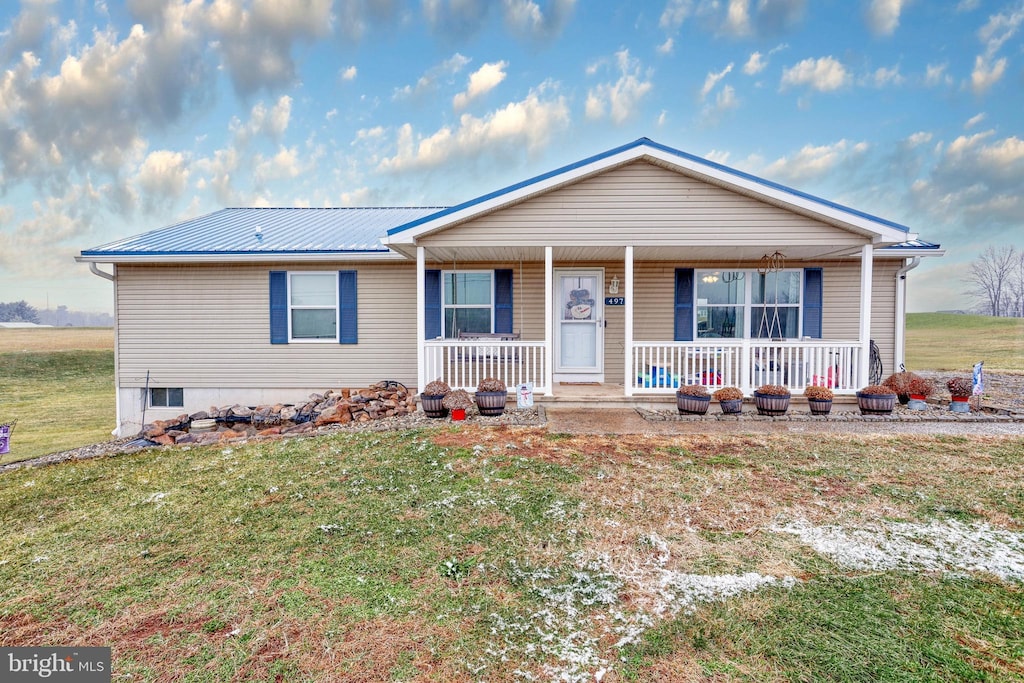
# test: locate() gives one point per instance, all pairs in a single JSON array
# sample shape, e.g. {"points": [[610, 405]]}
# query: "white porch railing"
{"points": [[462, 364], [660, 367]]}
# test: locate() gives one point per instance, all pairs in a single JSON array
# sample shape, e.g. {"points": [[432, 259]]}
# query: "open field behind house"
{"points": [[466, 554], [948, 341], [58, 383]]}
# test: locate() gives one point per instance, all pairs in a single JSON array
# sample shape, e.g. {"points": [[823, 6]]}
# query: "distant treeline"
{"points": [[22, 312]]}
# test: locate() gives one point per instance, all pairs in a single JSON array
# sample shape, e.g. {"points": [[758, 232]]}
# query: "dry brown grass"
{"points": [[46, 339]]}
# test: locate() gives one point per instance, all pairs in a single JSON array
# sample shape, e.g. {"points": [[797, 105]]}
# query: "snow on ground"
{"points": [[946, 546]]}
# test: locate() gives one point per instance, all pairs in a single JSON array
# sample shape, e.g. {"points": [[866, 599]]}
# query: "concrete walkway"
{"points": [[629, 421]]}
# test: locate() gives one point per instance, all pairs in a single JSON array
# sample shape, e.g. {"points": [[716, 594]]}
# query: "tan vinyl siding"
{"points": [[208, 326], [642, 204], [883, 311]]}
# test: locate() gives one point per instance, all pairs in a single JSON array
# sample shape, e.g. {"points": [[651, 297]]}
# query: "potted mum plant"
{"points": [[692, 399], [491, 394], [876, 399], [730, 400], [458, 401], [771, 399], [900, 383], [919, 389], [960, 390], [819, 399], [432, 396]]}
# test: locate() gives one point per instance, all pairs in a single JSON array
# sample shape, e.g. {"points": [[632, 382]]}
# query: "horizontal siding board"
{"points": [[208, 326], [642, 204]]}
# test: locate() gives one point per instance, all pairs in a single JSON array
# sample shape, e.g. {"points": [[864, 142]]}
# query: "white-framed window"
{"points": [[467, 302], [313, 306], [166, 397], [738, 304]]}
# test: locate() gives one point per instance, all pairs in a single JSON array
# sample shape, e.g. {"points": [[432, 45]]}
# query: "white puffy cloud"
{"points": [[429, 80], [935, 74], [619, 99], [824, 74], [44, 245], [348, 73], [754, 65], [272, 122], [528, 124], [526, 18], [883, 16], [974, 120], [284, 164], [885, 76], [666, 47], [736, 18], [815, 161], [675, 13], [28, 29], [481, 82], [162, 177], [712, 80], [986, 74], [255, 38]]}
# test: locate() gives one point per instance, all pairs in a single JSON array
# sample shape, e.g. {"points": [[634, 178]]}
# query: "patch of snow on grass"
{"points": [[939, 546]]}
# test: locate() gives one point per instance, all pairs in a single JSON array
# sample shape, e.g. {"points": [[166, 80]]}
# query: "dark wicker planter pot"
{"points": [[876, 404], [432, 405], [820, 406], [733, 407], [692, 405], [491, 403], [771, 404]]}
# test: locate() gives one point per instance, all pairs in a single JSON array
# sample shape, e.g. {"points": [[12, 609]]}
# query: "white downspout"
{"points": [[421, 318], [901, 320], [117, 364]]}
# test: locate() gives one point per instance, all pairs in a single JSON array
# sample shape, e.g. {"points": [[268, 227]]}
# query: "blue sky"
{"points": [[117, 118]]}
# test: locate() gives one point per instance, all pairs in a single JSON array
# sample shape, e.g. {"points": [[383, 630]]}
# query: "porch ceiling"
{"points": [[581, 253]]}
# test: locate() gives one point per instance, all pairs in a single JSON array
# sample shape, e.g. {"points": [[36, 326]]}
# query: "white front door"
{"points": [[579, 324]]}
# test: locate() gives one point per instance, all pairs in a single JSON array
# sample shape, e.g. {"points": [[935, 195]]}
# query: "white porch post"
{"points": [[549, 312], [866, 263], [421, 318], [629, 372]]}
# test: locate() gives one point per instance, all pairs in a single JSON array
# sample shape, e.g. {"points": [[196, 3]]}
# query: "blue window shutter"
{"points": [[503, 301], [432, 306], [278, 307], [684, 304], [812, 302], [348, 308]]}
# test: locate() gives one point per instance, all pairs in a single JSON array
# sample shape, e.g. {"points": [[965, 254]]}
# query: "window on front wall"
{"points": [[775, 305], [735, 304], [166, 398], [468, 302], [313, 306]]}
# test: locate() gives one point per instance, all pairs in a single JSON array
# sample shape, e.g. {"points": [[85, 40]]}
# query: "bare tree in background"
{"points": [[1016, 287], [993, 277]]}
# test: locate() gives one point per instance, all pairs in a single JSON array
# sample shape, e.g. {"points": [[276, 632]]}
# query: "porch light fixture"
{"points": [[613, 286], [710, 278]]}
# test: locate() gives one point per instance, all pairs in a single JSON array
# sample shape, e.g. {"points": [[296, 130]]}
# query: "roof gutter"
{"points": [[901, 317], [96, 271], [269, 257]]}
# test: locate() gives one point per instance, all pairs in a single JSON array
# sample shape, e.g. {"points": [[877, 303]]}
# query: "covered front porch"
{"points": [[646, 366]]}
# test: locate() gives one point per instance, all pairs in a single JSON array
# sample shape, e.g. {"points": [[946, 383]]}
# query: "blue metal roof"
{"points": [[644, 142], [271, 231], [914, 244]]}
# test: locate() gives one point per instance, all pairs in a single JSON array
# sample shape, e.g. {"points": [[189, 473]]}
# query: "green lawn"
{"points": [[60, 399], [466, 554], [947, 341]]}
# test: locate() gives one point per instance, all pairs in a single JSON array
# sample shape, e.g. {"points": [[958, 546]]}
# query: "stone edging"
{"points": [[898, 415]]}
